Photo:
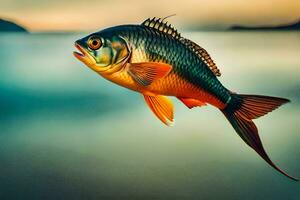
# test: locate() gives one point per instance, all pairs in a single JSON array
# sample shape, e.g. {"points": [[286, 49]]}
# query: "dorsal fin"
{"points": [[162, 26], [202, 53]]}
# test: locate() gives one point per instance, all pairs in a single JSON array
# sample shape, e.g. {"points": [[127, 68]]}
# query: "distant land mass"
{"points": [[7, 26], [289, 27]]}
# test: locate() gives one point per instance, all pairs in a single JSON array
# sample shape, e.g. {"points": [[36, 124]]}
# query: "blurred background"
{"points": [[66, 133]]}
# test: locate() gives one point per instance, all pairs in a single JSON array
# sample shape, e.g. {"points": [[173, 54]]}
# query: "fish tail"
{"points": [[242, 109]]}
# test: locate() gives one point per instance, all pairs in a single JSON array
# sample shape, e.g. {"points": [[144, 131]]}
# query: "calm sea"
{"points": [[66, 133]]}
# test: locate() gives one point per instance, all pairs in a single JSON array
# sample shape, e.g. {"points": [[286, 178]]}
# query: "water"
{"points": [[65, 133]]}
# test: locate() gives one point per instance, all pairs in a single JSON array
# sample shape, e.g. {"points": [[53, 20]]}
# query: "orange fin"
{"points": [[162, 107], [147, 72], [191, 103]]}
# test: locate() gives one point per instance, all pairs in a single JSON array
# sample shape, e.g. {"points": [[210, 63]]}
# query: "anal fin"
{"points": [[191, 103], [162, 107]]}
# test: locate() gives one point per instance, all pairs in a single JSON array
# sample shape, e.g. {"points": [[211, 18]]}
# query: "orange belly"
{"points": [[171, 85], [174, 85]]}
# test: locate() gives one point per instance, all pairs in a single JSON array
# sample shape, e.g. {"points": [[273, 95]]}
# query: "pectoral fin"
{"points": [[191, 103], [162, 107], [147, 72]]}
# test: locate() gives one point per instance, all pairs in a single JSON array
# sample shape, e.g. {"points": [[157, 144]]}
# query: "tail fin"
{"points": [[242, 109]]}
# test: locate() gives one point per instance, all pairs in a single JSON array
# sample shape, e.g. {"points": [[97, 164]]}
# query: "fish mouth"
{"points": [[84, 56], [81, 55]]}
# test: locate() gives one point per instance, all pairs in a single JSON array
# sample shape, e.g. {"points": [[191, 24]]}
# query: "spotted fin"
{"points": [[146, 72], [162, 26], [191, 103], [162, 107], [202, 53]]}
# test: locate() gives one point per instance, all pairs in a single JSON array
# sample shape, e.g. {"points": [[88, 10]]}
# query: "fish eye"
{"points": [[94, 43]]}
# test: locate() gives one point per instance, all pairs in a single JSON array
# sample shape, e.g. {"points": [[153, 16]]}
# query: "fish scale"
{"points": [[185, 63]]}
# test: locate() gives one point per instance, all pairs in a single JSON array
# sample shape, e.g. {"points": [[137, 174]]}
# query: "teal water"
{"points": [[65, 133]]}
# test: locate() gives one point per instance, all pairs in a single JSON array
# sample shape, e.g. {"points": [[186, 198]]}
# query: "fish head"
{"points": [[102, 53]]}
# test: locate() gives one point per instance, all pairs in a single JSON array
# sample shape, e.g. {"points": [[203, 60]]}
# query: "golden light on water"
{"points": [[90, 15]]}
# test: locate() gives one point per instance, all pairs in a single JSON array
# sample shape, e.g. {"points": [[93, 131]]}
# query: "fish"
{"points": [[152, 58]]}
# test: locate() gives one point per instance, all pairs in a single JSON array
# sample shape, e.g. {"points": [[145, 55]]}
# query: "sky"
{"points": [[79, 15]]}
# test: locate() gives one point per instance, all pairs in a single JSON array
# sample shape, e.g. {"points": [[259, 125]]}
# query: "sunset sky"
{"points": [[60, 15]]}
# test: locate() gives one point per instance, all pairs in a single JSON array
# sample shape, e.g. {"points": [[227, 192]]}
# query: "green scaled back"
{"points": [[163, 26]]}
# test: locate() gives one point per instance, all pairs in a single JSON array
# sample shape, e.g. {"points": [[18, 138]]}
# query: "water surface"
{"points": [[66, 133]]}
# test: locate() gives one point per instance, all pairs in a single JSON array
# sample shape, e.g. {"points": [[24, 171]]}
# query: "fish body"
{"points": [[156, 61], [189, 78]]}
